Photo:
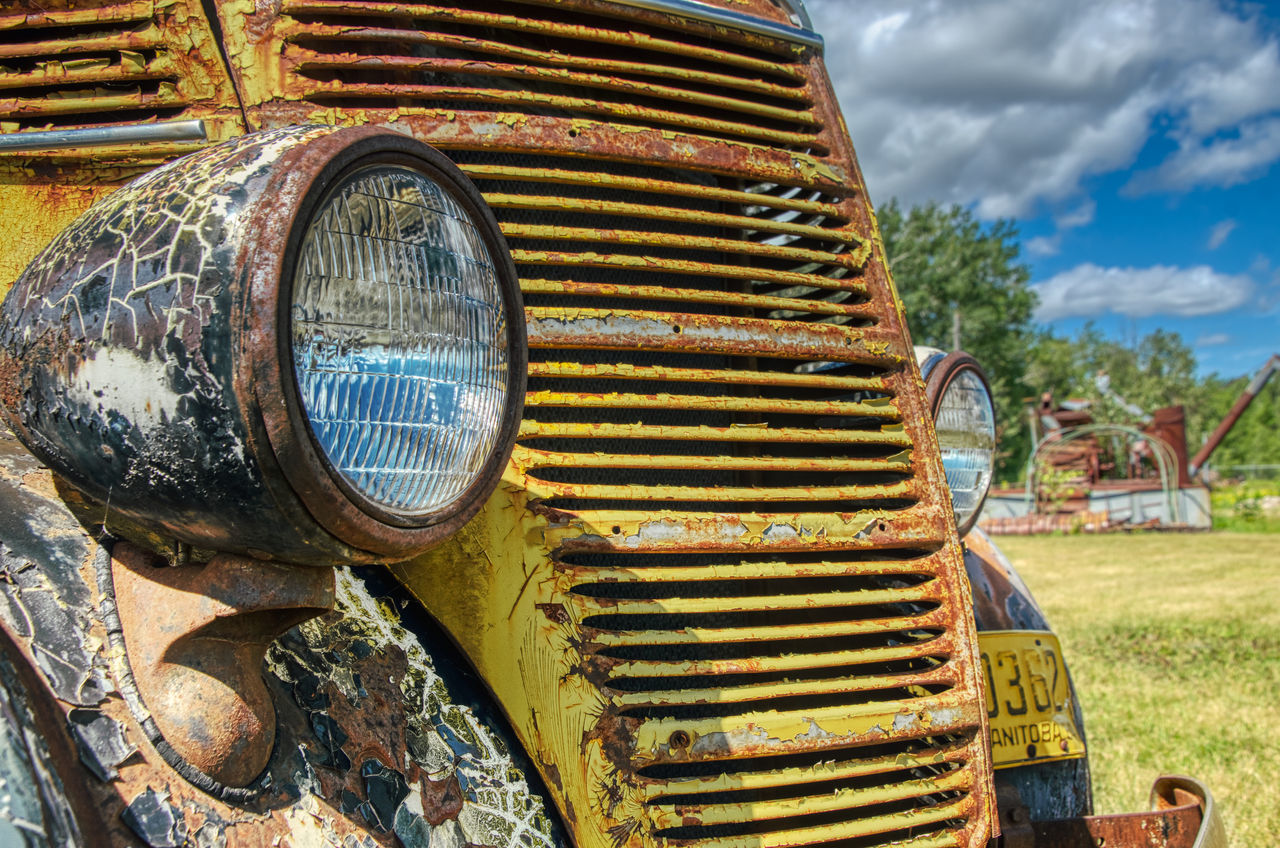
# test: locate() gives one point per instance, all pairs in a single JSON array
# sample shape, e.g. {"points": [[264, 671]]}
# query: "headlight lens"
{"points": [[399, 340], [965, 420], [967, 436]]}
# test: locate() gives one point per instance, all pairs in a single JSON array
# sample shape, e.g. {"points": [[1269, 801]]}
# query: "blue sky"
{"points": [[1135, 142]]}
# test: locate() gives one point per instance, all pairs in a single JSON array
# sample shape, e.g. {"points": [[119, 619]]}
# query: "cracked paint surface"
{"points": [[378, 743]]}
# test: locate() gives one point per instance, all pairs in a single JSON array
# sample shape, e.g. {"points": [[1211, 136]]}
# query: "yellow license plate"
{"points": [[1028, 698]]}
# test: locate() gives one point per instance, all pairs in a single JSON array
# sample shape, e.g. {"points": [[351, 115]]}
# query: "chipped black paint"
{"points": [[384, 788], [34, 810], [99, 741], [157, 822]]}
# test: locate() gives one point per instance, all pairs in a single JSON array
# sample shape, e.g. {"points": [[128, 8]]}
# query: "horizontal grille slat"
{"points": [[918, 718], [827, 771], [772, 664], [626, 371], [348, 91], [721, 494], [856, 311], [78, 72], [781, 632], [90, 102], [723, 696], [661, 573], [628, 329], [617, 400], [650, 263], [57, 50], [533, 460], [840, 832], [649, 185], [116, 13], [846, 601], [670, 816], [639, 238], [533, 429], [671, 213]]}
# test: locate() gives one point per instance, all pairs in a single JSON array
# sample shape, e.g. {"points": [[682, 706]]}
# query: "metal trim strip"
{"points": [[727, 17], [21, 142]]}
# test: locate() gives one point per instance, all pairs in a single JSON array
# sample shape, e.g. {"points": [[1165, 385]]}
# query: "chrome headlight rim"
{"points": [[940, 371], [333, 501]]}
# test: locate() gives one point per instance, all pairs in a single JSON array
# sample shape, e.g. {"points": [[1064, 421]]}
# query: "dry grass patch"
{"points": [[1174, 645]]}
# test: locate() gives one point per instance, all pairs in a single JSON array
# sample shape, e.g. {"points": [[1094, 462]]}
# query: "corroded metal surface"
{"points": [[195, 637], [681, 630], [717, 593], [100, 63], [120, 342], [378, 742], [1182, 816]]}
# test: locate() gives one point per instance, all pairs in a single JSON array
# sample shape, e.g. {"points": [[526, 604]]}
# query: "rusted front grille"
{"points": [[67, 64], [89, 64], [666, 395], [718, 593]]}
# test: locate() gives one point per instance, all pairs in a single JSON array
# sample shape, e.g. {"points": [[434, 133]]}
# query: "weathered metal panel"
{"points": [[376, 741], [758, 634]]}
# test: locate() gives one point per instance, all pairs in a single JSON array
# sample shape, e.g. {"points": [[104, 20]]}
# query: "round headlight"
{"points": [[399, 339], [965, 420], [305, 344]]}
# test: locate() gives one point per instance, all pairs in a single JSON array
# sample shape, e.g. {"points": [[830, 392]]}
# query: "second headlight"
{"points": [[964, 416]]}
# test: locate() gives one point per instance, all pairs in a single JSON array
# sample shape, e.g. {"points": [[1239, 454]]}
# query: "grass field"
{"points": [[1174, 644]]}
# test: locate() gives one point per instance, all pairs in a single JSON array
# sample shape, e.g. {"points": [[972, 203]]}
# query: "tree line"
{"points": [[961, 282]]}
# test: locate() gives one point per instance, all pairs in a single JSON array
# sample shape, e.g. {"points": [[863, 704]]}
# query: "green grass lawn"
{"points": [[1174, 644]]}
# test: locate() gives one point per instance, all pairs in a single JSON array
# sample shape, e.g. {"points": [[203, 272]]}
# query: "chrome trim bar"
{"points": [[729, 18], [21, 142]]}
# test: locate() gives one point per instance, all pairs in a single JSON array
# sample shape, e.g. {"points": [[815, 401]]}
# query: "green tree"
{"points": [[958, 277]]}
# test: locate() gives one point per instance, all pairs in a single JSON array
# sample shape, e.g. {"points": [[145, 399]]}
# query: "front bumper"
{"points": [[1182, 815]]}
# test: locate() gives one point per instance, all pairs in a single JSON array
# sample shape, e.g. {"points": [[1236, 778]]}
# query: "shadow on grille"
{"points": [[813, 587], [754, 618], [765, 647]]}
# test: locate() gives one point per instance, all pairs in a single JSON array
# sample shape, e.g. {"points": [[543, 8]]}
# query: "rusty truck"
{"points": [[490, 423]]}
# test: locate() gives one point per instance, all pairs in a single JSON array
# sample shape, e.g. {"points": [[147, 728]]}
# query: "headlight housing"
{"points": [[964, 417], [304, 344]]}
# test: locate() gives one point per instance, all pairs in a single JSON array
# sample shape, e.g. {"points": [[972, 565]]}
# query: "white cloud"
{"points": [[1213, 339], [1218, 235], [1081, 216], [1012, 106], [1089, 291], [1215, 162], [1044, 245]]}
